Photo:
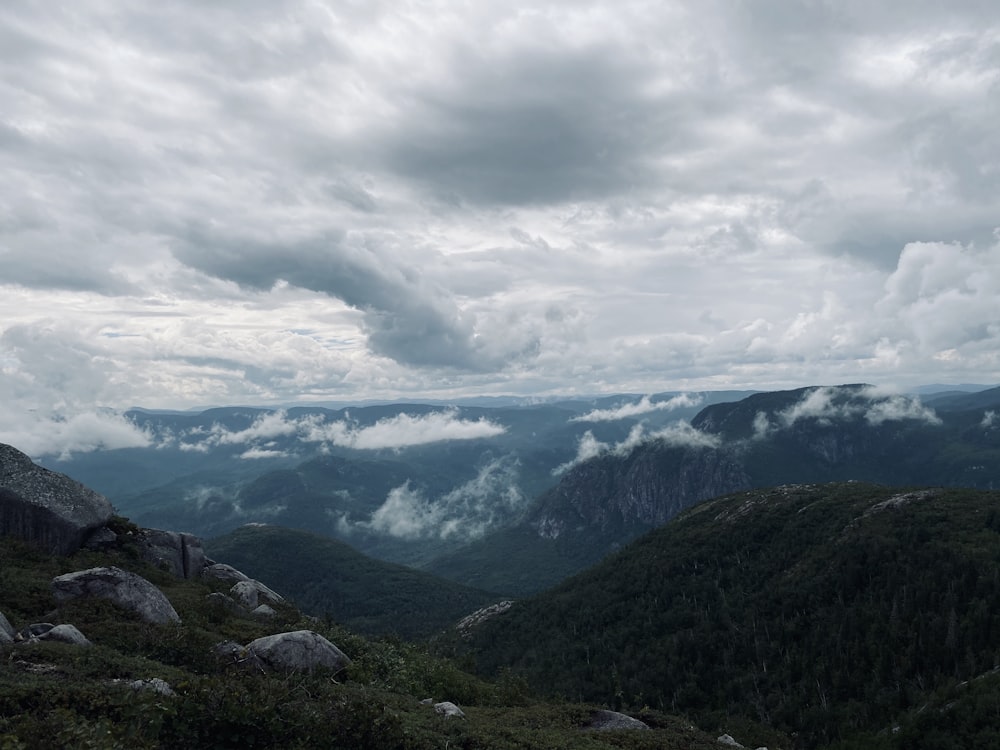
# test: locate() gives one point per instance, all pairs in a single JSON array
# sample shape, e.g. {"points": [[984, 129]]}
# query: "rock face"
{"points": [[178, 553], [126, 590], [297, 651], [44, 507], [6, 630]]}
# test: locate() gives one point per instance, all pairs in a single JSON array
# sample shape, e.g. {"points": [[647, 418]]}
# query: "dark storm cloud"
{"points": [[534, 126], [404, 317]]}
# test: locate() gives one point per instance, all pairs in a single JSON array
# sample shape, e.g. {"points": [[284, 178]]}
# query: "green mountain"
{"points": [[326, 577], [843, 613]]}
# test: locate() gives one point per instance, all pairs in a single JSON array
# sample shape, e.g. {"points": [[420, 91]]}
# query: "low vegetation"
{"points": [[60, 695]]}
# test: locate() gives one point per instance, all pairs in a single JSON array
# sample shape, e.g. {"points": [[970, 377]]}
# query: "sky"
{"points": [[281, 201]]}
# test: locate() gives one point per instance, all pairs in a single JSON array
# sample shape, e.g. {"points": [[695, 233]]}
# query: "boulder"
{"points": [[44, 507], [6, 630], [448, 709], [264, 611], [223, 572], [124, 589], [728, 741], [251, 594], [178, 553], [65, 634], [603, 721], [298, 651], [154, 684]]}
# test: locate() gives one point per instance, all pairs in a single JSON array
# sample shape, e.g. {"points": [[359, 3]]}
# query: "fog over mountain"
{"points": [[297, 202]]}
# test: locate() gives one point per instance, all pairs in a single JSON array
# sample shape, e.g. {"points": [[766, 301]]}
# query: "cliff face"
{"points": [[46, 508], [642, 491]]}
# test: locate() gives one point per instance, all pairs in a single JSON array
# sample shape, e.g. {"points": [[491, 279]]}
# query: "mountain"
{"points": [[832, 612], [816, 434], [404, 482], [326, 577]]}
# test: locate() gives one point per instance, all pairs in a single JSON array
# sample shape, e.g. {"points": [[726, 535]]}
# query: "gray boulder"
{"points": [[251, 594], [65, 634], [604, 721], [297, 651], [6, 630], [448, 710], [44, 507], [178, 553], [223, 572], [125, 590]]}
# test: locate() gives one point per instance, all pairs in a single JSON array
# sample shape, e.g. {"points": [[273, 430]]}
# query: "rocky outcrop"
{"points": [[44, 507], [605, 721], [297, 651], [468, 623], [177, 553], [125, 590]]}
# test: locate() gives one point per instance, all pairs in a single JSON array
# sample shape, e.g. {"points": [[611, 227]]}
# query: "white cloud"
{"points": [[643, 406], [875, 405], [344, 203], [679, 434], [81, 433], [397, 432], [466, 512], [989, 419]]}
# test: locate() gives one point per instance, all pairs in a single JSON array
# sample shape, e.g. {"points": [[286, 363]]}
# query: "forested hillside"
{"points": [[831, 611]]}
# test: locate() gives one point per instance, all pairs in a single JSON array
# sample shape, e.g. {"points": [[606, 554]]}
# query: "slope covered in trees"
{"points": [[830, 611]]}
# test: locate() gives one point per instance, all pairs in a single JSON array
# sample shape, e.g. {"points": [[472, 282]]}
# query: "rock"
{"points": [[178, 553], [101, 539], [449, 709], [728, 740], [44, 507], [6, 630], [125, 590], [250, 594], [34, 630], [469, 622], [264, 611], [65, 634], [610, 720], [223, 572], [154, 684], [298, 651]]}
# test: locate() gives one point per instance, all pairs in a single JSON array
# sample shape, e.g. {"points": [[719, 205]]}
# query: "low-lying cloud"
{"points": [[80, 433], [679, 434], [828, 405], [645, 405], [466, 512], [396, 432]]}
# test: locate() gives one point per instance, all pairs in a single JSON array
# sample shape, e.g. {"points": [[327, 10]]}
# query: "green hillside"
{"points": [[326, 577], [833, 612], [56, 695]]}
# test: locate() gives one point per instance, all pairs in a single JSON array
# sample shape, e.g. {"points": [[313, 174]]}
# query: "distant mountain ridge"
{"points": [[815, 434]]}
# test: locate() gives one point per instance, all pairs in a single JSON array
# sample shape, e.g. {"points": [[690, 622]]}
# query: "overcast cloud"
{"points": [[279, 202]]}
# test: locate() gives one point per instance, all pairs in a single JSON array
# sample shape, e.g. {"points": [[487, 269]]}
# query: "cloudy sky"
{"points": [[292, 200]]}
